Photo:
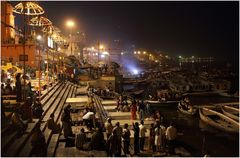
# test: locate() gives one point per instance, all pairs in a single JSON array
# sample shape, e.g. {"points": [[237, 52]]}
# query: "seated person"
{"points": [[37, 109], [18, 123], [52, 125], [97, 141], [81, 139], [8, 89], [39, 146]]}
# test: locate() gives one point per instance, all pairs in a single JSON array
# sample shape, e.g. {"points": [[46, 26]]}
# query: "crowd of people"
{"points": [[159, 136]]}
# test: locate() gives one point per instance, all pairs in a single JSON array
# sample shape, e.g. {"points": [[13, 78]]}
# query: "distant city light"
{"points": [[121, 53], [135, 52], [144, 52], [180, 56], [96, 53], [139, 52]]}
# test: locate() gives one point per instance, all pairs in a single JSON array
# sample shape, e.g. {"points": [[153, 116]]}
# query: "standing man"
{"points": [[18, 88], [141, 110], [119, 137], [171, 134], [136, 138], [109, 127], [126, 139], [143, 130]]}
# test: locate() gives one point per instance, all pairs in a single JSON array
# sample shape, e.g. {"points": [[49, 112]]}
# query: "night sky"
{"points": [[177, 28]]}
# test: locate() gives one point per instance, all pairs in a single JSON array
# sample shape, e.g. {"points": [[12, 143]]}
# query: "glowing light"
{"points": [[70, 23], [39, 37], [101, 47], [102, 55], [135, 71], [105, 53], [121, 53], [135, 52], [180, 57], [92, 48], [96, 53], [59, 48], [139, 52], [144, 52]]}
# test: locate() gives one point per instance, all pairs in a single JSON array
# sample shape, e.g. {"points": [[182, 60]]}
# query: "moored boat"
{"points": [[161, 103], [218, 120], [231, 112]]}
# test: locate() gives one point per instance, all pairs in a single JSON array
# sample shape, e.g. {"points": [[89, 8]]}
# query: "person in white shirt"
{"points": [[163, 135], [142, 131], [108, 127], [171, 134]]}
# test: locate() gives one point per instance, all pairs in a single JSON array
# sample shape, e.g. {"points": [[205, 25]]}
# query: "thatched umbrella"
{"points": [[26, 8]]}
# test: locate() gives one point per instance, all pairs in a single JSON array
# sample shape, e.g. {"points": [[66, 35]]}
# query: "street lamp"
{"points": [[70, 24]]}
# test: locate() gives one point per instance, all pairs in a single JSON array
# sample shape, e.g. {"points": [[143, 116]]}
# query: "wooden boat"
{"points": [[218, 120], [231, 112], [191, 111], [160, 103]]}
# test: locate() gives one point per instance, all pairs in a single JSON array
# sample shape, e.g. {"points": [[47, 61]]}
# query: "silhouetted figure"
{"points": [[67, 126], [52, 125], [8, 89], [141, 110], [17, 123], [119, 130], [81, 139], [97, 141], [126, 139], [112, 144], [18, 88], [136, 138], [39, 146], [37, 109]]}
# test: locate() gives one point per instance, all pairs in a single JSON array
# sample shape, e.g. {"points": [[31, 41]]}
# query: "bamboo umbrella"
{"points": [[41, 21], [26, 8]]}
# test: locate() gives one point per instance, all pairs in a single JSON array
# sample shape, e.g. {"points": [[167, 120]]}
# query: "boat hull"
{"points": [[231, 112], [220, 121], [159, 104]]}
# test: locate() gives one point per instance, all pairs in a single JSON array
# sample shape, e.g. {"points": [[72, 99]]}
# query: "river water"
{"points": [[195, 135]]}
